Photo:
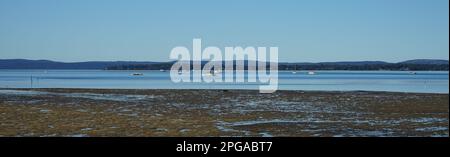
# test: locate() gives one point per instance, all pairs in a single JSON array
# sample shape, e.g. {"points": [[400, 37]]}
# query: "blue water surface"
{"points": [[395, 81]]}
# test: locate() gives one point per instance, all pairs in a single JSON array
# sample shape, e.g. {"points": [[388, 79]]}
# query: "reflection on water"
{"points": [[400, 81]]}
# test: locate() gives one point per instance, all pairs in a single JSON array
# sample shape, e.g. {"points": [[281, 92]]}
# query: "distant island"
{"points": [[410, 65]]}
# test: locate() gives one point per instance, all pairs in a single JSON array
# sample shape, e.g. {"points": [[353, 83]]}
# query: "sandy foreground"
{"points": [[107, 112]]}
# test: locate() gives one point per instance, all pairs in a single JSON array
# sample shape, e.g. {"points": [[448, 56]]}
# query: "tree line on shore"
{"points": [[307, 66]]}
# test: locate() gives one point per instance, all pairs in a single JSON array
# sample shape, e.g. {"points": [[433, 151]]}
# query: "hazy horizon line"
{"points": [[61, 61]]}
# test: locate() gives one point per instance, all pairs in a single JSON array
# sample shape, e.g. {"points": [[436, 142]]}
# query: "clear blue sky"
{"points": [[146, 30]]}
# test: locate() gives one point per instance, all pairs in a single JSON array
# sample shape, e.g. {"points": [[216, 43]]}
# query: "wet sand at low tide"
{"points": [[121, 112]]}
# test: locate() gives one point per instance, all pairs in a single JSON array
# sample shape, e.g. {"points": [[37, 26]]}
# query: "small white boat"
{"points": [[211, 73], [137, 74], [162, 70], [295, 70], [311, 73]]}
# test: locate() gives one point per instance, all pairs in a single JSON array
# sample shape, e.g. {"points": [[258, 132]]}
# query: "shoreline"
{"points": [[303, 70], [154, 113], [255, 90]]}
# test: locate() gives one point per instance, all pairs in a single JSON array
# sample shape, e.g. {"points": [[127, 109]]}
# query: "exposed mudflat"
{"points": [[97, 112]]}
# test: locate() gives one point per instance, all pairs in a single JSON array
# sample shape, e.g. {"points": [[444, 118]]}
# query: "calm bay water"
{"points": [[398, 81]]}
